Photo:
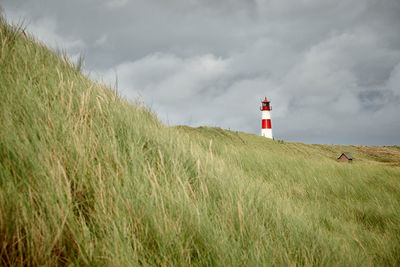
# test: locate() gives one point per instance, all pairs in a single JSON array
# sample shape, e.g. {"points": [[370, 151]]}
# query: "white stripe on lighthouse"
{"points": [[265, 115]]}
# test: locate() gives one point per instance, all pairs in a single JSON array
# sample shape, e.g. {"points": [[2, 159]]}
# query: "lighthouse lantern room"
{"points": [[266, 129]]}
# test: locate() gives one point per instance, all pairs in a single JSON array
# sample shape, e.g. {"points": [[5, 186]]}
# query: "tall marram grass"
{"points": [[87, 178]]}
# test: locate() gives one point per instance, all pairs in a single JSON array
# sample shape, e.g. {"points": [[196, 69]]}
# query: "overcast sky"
{"points": [[330, 68]]}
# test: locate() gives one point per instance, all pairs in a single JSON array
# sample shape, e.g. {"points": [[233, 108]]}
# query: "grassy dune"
{"points": [[87, 178]]}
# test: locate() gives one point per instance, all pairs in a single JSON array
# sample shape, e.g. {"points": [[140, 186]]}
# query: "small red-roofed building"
{"points": [[345, 157]]}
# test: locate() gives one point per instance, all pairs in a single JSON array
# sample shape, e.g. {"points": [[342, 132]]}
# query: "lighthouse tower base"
{"points": [[266, 133]]}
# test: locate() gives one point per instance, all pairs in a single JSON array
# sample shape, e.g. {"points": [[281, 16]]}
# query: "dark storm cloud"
{"points": [[331, 68]]}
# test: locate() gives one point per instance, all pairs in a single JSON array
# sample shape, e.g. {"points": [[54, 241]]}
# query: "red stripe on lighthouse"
{"points": [[268, 124], [264, 124]]}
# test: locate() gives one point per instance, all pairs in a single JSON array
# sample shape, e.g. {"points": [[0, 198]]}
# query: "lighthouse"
{"points": [[265, 108]]}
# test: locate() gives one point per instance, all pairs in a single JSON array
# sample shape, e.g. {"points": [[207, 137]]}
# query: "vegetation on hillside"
{"points": [[87, 178]]}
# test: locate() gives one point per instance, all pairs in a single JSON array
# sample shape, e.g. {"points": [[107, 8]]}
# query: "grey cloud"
{"points": [[331, 68]]}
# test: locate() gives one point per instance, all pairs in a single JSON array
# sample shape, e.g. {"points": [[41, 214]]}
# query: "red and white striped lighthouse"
{"points": [[266, 129]]}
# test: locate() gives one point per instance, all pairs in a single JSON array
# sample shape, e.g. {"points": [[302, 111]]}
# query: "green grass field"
{"points": [[89, 179]]}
